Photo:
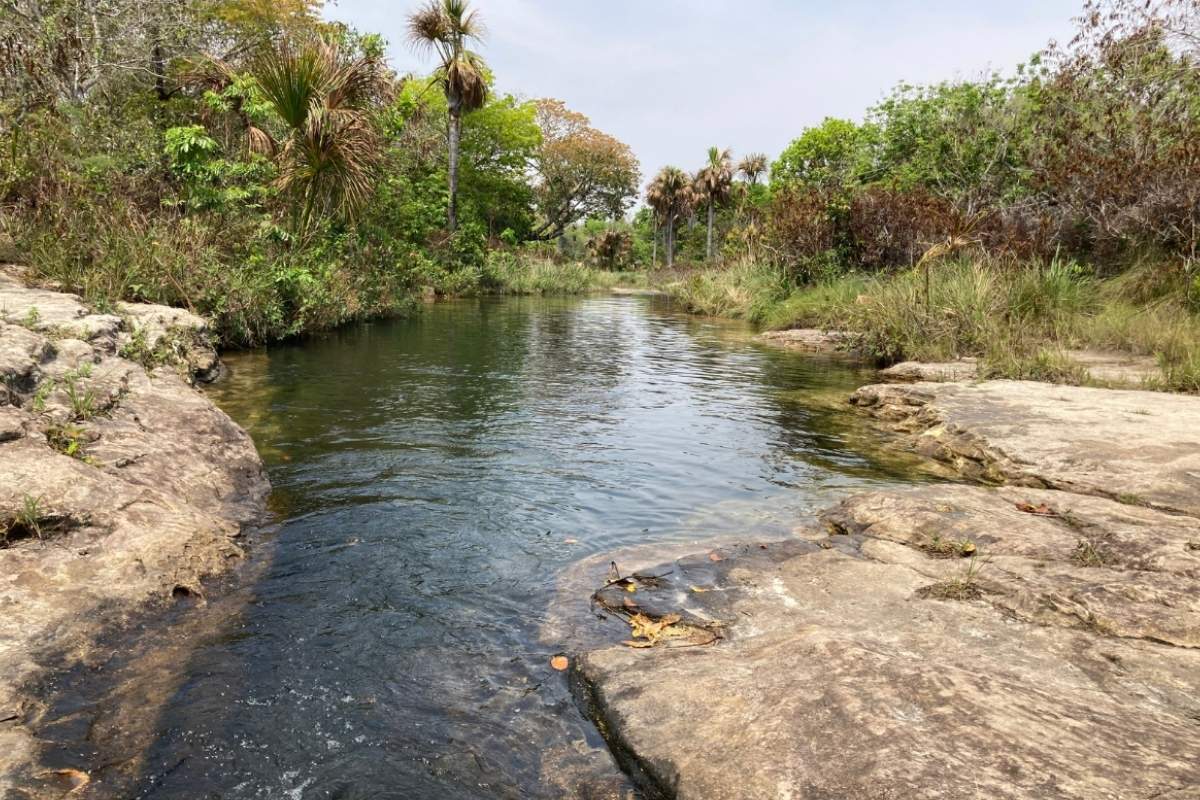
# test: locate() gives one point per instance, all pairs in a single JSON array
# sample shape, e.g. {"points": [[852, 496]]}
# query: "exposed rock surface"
{"points": [[1107, 368], [914, 371], [137, 486], [942, 641], [810, 340], [1139, 447]]}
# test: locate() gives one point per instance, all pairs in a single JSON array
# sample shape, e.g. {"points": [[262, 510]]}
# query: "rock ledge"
{"points": [[122, 485]]}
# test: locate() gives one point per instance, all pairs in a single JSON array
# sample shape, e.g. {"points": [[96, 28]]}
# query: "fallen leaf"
{"points": [[560, 663], [645, 627], [1042, 510], [715, 557], [572, 541], [699, 589]]}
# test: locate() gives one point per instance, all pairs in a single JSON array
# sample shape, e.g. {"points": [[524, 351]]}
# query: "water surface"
{"points": [[434, 477]]}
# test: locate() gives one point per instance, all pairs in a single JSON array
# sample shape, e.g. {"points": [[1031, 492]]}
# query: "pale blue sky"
{"points": [[672, 77]]}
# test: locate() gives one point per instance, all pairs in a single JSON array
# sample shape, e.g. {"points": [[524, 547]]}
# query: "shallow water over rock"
{"points": [[434, 478]]}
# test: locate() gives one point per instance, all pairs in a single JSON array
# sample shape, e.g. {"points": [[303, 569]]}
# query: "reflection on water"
{"points": [[434, 476]]}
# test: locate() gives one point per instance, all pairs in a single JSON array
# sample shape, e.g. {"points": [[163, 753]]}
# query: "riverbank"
{"points": [[125, 488], [1012, 320], [1040, 638]]}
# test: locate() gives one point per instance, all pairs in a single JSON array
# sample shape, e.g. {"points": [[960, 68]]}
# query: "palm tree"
{"points": [[670, 195], [714, 182], [753, 167], [445, 27], [331, 151]]}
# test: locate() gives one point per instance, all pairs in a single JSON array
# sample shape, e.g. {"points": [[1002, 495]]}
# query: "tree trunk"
{"points": [[654, 250], [710, 227], [455, 142], [670, 237]]}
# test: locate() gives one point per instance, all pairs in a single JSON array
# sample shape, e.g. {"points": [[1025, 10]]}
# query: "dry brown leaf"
{"points": [[699, 589], [1042, 510], [560, 663], [715, 557]]}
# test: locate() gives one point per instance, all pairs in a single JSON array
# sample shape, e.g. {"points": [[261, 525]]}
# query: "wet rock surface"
{"points": [[1039, 639], [122, 485]]}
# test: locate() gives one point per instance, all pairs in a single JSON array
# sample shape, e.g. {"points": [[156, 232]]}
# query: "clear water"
{"points": [[435, 477]]}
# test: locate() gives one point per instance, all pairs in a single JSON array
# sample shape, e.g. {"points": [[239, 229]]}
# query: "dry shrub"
{"points": [[889, 227], [802, 227]]}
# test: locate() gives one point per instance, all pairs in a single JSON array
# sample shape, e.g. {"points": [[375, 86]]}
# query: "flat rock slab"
{"points": [[1139, 447], [810, 340], [915, 371], [1106, 368], [841, 676]]}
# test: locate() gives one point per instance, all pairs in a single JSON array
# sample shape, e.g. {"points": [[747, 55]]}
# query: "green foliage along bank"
{"points": [[259, 165]]}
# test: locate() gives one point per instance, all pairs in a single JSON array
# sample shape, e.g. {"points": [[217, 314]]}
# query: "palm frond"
{"points": [[428, 26]]}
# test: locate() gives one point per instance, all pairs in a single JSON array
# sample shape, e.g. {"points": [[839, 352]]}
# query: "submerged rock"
{"points": [[122, 485]]}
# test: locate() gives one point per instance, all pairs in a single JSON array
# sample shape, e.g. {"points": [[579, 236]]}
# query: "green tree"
{"points": [[835, 153], [714, 182], [962, 141], [446, 27]]}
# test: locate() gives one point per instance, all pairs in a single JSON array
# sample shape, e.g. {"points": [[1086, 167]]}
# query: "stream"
{"points": [[435, 481]]}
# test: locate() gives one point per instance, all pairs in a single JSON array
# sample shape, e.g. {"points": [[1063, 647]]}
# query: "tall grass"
{"points": [[507, 273], [1018, 319]]}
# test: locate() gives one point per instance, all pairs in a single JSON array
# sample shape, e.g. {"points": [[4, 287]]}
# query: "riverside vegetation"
{"points": [[256, 164], [263, 167], [1009, 218]]}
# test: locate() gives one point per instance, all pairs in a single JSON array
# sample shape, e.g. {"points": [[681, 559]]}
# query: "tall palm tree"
{"points": [[671, 197], [445, 27], [714, 183], [330, 153], [753, 167]]}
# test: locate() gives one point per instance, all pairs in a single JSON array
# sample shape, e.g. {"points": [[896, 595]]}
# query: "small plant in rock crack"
{"points": [[948, 548], [1087, 554], [83, 401], [69, 440], [32, 318], [40, 395], [963, 587], [26, 523]]}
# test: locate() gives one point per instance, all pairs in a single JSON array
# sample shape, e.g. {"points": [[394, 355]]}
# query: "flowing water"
{"points": [[434, 479]]}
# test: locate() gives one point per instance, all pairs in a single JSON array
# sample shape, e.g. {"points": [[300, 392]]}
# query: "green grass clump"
{"points": [[507, 273]]}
